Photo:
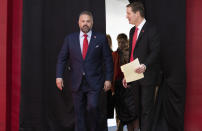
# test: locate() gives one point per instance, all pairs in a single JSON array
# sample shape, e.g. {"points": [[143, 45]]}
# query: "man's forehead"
{"points": [[84, 16]]}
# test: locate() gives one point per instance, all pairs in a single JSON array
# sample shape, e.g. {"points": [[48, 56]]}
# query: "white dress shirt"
{"points": [[81, 38]]}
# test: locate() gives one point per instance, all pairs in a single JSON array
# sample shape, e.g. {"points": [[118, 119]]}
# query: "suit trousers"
{"points": [[85, 102], [147, 105]]}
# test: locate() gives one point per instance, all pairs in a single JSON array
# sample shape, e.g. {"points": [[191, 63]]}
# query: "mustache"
{"points": [[85, 26]]}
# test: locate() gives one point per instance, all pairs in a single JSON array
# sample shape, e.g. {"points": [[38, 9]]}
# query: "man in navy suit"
{"points": [[91, 68]]}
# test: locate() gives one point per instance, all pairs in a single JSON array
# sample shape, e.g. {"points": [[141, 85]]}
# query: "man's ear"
{"points": [[137, 13]]}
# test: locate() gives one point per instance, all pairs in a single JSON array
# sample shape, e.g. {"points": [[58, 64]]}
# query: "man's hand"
{"points": [[124, 83], [59, 83], [107, 85], [140, 69]]}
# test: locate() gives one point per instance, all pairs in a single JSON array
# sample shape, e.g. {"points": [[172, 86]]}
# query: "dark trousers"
{"points": [[85, 101], [147, 105]]}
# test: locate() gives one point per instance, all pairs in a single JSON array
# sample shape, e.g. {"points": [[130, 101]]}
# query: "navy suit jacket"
{"points": [[97, 66]]}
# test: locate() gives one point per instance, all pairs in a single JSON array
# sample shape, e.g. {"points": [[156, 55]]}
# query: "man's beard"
{"points": [[85, 29]]}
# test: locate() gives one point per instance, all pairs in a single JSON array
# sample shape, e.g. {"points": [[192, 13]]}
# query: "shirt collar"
{"points": [[89, 33], [141, 24]]}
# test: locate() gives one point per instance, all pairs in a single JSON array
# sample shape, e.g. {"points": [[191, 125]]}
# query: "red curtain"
{"points": [[193, 106], [3, 57], [10, 64], [10, 67]]}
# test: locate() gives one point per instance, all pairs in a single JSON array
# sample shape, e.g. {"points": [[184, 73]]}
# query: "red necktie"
{"points": [[133, 45], [85, 45]]}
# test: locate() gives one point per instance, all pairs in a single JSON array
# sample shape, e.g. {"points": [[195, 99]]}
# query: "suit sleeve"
{"points": [[62, 59], [154, 47], [107, 59]]}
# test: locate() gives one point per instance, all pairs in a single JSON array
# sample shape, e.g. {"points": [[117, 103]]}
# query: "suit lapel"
{"points": [[131, 42], [138, 40], [90, 46], [78, 47], [141, 34]]}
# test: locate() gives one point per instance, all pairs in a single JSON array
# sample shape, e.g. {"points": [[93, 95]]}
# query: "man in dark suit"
{"points": [[91, 68], [144, 45]]}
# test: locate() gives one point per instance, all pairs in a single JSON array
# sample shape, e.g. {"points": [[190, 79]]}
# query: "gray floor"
{"points": [[112, 124], [113, 128]]}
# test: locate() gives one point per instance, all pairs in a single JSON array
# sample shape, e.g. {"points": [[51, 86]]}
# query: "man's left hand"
{"points": [[107, 85], [140, 69]]}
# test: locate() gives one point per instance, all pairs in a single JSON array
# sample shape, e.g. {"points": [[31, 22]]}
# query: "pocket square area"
{"points": [[97, 46]]}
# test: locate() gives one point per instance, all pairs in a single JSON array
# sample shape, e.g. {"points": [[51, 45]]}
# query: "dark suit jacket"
{"points": [[147, 50], [98, 55]]}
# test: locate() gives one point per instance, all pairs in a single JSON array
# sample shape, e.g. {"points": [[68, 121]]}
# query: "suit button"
{"points": [[84, 73]]}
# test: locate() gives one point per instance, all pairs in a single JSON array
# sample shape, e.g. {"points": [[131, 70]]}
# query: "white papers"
{"points": [[129, 71]]}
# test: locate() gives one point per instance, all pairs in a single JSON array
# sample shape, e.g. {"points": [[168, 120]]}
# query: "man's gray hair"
{"points": [[86, 13]]}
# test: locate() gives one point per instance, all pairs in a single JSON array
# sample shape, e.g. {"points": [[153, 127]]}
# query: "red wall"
{"points": [[193, 106], [10, 63]]}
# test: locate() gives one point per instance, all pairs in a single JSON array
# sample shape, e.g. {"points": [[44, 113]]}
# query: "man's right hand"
{"points": [[124, 83], [59, 83]]}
